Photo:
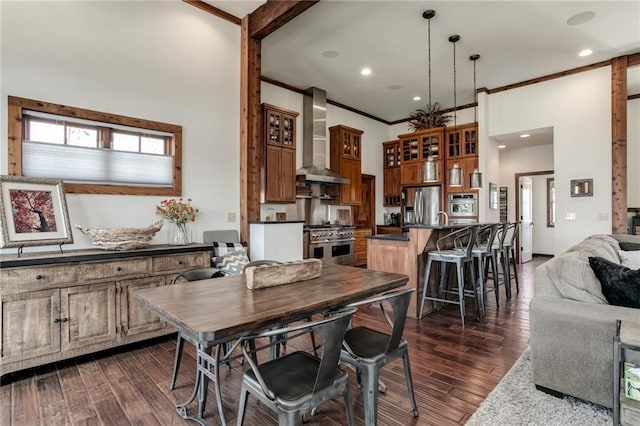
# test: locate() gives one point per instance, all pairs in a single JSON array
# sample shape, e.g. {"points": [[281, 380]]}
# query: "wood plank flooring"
{"points": [[454, 369]]}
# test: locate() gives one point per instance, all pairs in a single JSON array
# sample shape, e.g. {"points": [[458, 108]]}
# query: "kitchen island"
{"points": [[406, 253]]}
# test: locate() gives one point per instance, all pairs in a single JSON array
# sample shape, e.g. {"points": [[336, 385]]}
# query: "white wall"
{"points": [[543, 236], [163, 61], [578, 107]]}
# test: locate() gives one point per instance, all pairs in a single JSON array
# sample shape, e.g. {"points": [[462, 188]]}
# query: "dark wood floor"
{"points": [[454, 369]]}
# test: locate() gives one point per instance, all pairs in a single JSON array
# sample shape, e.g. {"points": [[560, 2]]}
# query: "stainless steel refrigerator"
{"points": [[421, 204]]}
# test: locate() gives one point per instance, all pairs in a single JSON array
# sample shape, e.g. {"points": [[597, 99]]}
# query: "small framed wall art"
{"points": [[582, 187], [33, 212]]}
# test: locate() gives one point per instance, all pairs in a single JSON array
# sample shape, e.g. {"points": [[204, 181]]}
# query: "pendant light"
{"points": [[430, 168], [475, 176], [455, 173]]}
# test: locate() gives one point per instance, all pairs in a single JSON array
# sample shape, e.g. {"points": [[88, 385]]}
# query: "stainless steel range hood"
{"points": [[314, 140]]}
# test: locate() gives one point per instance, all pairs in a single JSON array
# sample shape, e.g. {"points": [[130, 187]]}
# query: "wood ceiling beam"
{"points": [[214, 11], [634, 60], [619, 145], [274, 14]]}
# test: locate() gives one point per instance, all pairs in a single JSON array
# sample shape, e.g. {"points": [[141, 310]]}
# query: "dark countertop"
{"points": [[449, 226], [402, 236], [84, 255]]}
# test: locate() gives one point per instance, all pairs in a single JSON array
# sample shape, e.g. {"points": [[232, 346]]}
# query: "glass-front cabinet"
{"points": [[416, 148]]}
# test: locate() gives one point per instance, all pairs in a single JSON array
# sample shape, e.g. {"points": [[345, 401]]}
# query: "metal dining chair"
{"points": [[509, 257], [368, 350], [297, 382], [461, 255]]}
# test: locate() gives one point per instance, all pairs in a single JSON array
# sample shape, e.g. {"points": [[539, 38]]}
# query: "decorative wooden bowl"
{"points": [[120, 238]]}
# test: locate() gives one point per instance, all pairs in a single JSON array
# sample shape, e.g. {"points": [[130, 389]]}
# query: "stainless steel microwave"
{"points": [[463, 205]]}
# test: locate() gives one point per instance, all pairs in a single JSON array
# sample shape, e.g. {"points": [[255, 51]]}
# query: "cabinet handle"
{"points": [[57, 320], [39, 277], [64, 320], [180, 262], [118, 269]]}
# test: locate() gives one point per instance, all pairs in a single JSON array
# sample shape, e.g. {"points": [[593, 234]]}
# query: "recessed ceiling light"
{"points": [[365, 71], [525, 135], [417, 98], [394, 87], [502, 146], [585, 52], [329, 54], [581, 18]]}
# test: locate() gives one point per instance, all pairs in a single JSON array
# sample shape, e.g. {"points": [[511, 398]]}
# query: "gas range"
{"points": [[332, 244]]}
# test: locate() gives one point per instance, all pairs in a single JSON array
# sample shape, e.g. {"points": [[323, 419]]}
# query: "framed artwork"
{"points": [[582, 187], [493, 196], [33, 212]]}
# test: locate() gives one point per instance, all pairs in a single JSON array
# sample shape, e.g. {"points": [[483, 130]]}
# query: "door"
{"points": [[135, 318], [30, 325], [526, 219], [88, 315]]}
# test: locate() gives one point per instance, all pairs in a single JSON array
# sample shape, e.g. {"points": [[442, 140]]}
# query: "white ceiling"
{"points": [[517, 41], [543, 136]]}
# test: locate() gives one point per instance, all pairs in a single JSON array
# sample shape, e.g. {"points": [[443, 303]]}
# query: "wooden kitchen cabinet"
{"points": [[279, 159], [360, 246], [416, 148], [392, 189], [461, 146], [345, 159], [57, 306]]}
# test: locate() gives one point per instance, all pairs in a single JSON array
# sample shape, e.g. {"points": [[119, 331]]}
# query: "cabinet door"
{"points": [[135, 318], [288, 175], [88, 315], [30, 325], [288, 131], [454, 148], [272, 182], [273, 127], [351, 193], [411, 173], [470, 140]]}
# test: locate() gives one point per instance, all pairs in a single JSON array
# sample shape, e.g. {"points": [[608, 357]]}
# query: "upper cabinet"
{"points": [[391, 159], [279, 155], [461, 147], [346, 151], [416, 148]]}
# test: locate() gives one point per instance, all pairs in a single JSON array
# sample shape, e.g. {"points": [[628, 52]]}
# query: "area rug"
{"points": [[516, 401]]}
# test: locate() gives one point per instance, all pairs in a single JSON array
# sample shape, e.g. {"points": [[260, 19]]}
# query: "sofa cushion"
{"points": [[220, 248], [232, 263], [620, 285], [630, 259], [574, 278]]}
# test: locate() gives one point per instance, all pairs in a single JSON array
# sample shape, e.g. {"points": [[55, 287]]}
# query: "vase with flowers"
{"points": [[179, 212]]}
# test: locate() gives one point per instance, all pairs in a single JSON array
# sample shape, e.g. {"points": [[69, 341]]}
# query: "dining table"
{"points": [[218, 310]]}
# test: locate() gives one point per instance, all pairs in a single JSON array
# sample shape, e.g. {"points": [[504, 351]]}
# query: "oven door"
{"points": [[338, 252], [462, 208]]}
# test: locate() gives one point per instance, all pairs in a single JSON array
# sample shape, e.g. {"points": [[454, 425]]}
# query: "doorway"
{"points": [[364, 215], [532, 205]]}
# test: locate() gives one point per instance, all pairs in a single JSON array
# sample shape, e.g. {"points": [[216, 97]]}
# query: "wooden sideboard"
{"points": [[55, 306]]}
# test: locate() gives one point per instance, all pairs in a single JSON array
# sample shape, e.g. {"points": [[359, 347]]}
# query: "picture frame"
{"points": [[493, 196], [33, 212], [503, 203]]}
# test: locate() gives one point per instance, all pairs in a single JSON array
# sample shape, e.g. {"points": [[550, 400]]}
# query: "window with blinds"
{"points": [[96, 152]]}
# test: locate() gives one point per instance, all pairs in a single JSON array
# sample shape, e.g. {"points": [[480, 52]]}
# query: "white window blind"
{"points": [[91, 165]]}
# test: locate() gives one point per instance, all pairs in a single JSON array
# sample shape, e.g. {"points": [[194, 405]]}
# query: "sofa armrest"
{"points": [[572, 346]]}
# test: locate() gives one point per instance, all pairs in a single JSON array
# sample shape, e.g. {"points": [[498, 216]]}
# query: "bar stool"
{"points": [[463, 241], [496, 253], [509, 258], [486, 257]]}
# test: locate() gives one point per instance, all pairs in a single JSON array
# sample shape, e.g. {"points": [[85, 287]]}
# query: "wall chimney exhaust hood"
{"points": [[314, 140]]}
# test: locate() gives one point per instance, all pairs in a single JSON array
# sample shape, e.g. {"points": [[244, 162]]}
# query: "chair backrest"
{"points": [[199, 274], [502, 233], [473, 235], [399, 301], [224, 235], [513, 228], [490, 231], [331, 330]]}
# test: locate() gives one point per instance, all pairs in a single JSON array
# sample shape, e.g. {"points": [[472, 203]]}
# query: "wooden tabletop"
{"points": [[219, 309]]}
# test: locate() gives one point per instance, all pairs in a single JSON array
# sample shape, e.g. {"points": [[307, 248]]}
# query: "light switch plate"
{"points": [[569, 216], [231, 217]]}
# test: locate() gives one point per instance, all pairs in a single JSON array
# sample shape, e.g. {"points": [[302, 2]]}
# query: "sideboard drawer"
{"points": [[181, 262], [115, 269], [16, 280]]}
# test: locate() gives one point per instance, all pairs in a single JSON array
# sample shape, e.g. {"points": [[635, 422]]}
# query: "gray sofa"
{"points": [[572, 325]]}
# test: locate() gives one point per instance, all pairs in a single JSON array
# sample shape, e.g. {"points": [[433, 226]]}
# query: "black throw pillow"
{"points": [[629, 246], [620, 285]]}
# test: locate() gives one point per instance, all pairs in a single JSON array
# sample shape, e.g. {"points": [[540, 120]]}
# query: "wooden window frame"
{"points": [[15, 132]]}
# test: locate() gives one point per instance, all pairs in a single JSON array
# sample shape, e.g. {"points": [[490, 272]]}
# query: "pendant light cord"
{"points": [[455, 110], [429, 56]]}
